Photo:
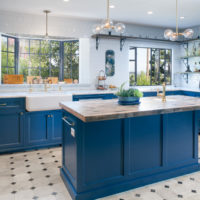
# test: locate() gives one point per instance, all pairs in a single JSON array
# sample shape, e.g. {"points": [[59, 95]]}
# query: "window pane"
{"points": [[34, 60], [4, 44], [11, 44], [45, 61], [155, 67], [71, 60], [55, 60], [67, 48], [55, 72], [11, 60], [168, 73], [45, 72], [67, 73], [9, 70], [35, 46], [55, 47], [143, 66], [24, 60], [4, 70], [4, 59], [131, 66], [45, 47], [24, 46], [75, 71], [34, 71]]}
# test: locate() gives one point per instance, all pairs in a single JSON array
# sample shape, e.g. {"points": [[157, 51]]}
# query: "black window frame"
{"points": [[15, 67], [135, 60], [71, 55], [17, 53]]}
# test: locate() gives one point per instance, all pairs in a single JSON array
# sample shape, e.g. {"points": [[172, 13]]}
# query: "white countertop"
{"points": [[80, 92], [39, 101]]}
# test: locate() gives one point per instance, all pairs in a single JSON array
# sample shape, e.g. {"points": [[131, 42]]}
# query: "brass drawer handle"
{"points": [[3, 104]]}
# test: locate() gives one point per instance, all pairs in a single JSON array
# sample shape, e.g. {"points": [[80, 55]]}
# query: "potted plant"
{"points": [[35, 80], [128, 97]]}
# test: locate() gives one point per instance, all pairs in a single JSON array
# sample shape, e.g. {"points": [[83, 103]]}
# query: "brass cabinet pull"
{"points": [[66, 121], [3, 104], [21, 113]]}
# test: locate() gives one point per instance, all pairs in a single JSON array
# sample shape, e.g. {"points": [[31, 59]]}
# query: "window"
{"points": [[71, 60], [8, 57], [149, 66], [36, 57], [39, 58]]}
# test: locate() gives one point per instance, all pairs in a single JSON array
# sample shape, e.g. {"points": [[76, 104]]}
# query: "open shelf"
{"points": [[187, 57]]}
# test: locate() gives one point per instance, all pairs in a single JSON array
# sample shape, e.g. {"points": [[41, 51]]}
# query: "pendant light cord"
{"points": [[46, 24], [177, 17], [108, 10]]}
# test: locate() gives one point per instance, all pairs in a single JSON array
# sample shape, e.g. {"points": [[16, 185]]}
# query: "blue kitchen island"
{"points": [[108, 148]]}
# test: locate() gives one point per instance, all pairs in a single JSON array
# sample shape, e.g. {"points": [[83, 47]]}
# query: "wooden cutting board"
{"points": [[13, 79]]}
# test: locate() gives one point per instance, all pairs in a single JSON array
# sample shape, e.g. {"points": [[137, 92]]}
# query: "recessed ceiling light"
{"points": [[66, 0], [112, 6], [182, 17], [150, 12]]}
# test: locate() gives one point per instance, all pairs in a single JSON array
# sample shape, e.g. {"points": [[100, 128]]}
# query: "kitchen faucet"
{"points": [[46, 87], [163, 94]]}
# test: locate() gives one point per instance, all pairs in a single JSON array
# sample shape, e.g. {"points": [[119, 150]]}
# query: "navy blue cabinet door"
{"points": [[37, 128], [56, 126], [43, 127], [11, 131]]}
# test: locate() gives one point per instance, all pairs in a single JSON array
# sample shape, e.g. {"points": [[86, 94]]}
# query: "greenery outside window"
{"points": [[39, 58], [149, 66], [71, 60], [36, 57], [8, 58]]}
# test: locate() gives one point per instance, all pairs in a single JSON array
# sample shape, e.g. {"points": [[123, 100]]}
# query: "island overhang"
{"points": [[98, 110]]}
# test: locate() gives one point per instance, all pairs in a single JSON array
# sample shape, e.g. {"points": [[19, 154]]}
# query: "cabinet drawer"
{"points": [[12, 105]]}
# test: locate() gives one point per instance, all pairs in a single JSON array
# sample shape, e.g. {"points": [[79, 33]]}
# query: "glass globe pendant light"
{"points": [[107, 26], [173, 36]]}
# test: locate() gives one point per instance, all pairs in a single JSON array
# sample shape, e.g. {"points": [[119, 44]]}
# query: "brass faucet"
{"points": [[30, 88], [163, 94], [60, 88], [46, 87]]}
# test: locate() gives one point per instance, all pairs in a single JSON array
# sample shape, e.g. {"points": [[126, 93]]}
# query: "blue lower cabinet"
{"points": [[190, 93], [43, 128], [11, 131], [94, 96], [11, 124]]}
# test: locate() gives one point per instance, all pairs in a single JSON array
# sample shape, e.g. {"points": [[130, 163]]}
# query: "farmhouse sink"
{"points": [[46, 101]]}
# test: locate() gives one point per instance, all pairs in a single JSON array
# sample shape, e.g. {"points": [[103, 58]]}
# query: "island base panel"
{"points": [[117, 155]]}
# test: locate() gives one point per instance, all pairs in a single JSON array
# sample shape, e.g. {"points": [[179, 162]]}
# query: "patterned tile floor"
{"points": [[35, 175]]}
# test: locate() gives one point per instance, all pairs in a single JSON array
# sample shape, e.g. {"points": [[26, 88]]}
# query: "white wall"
{"points": [[91, 60], [97, 58]]}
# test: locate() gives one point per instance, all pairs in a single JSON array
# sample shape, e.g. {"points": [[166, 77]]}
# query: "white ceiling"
{"points": [[132, 11]]}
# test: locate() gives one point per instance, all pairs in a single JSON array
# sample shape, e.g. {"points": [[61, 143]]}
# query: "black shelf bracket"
{"points": [[122, 42], [97, 42]]}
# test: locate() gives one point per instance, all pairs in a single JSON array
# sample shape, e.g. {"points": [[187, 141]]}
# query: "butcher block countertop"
{"points": [[99, 110]]}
